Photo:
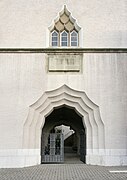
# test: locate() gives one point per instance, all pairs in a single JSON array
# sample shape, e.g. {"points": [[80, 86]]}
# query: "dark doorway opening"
{"points": [[63, 122]]}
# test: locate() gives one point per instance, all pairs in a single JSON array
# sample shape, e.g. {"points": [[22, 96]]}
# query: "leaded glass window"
{"points": [[74, 38], [64, 38], [54, 38]]}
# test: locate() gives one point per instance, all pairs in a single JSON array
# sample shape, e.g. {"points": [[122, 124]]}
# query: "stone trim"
{"points": [[63, 50]]}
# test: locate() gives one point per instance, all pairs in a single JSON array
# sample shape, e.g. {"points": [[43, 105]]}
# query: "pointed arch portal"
{"points": [[71, 100]]}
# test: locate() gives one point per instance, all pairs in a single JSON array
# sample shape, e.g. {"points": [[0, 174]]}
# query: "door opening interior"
{"points": [[59, 145]]}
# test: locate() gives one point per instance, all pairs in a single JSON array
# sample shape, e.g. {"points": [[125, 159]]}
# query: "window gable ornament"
{"points": [[64, 31]]}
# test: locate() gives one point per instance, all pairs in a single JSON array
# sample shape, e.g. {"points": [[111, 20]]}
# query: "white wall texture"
{"points": [[23, 77], [25, 23]]}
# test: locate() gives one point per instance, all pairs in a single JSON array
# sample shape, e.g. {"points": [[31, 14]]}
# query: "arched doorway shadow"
{"points": [[59, 146]]}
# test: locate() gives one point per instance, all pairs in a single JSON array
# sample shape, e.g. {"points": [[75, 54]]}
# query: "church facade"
{"points": [[63, 64]]}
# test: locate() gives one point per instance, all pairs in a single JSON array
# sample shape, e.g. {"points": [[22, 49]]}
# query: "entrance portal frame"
{"points": [[78, 100]]}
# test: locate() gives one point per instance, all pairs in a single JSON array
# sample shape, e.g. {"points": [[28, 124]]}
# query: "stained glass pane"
{"points": [[64, 43], [54, 33], [64, 34], [74, 33], [74, 38], [64, 38], [73, 43], [54, 43], [54, 38]]}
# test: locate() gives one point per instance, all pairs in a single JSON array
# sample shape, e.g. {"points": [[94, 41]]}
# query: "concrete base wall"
{"points": [[107, 160], [15, 158]]}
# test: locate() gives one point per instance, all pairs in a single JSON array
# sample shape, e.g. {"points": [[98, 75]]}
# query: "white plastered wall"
{"points": [[25, 23], [24, 79]]}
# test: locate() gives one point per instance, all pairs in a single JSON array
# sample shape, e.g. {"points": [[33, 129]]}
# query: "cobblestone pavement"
{"points": [[63, 172]]}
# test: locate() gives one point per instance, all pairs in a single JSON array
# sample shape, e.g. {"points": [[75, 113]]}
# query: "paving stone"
{"points": [[63, 172]]}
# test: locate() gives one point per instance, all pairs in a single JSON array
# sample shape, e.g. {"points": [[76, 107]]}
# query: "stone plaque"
{"points": [[64, 62]]}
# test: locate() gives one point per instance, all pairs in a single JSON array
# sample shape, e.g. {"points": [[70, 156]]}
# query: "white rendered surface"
{"points": [[25, 23], [24, 79]]}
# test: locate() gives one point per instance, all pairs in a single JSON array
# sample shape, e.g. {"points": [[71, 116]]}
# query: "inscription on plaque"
{"points": [[64, 63]]}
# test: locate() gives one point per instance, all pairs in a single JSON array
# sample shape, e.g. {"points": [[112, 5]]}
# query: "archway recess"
{"points": [[72, 146], [89, 111]]}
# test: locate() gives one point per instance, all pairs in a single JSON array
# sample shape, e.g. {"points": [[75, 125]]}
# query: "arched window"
{"points": [[64, 38], [54, 38], [64, 31], [74, 38]]}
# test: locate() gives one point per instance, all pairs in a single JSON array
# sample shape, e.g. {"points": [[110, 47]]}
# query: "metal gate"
{"points": [[52, 150], [83, 146]]}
